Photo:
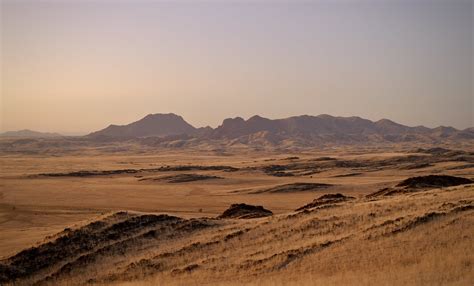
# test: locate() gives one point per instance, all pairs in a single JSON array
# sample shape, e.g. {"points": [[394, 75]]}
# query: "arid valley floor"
{"points": [[341, 216]]}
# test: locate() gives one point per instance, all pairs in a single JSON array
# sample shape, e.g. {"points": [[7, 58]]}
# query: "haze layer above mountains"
{"points": [[301, 128]]}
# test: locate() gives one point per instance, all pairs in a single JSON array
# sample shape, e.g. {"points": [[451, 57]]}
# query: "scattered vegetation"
{"points": [[244, 211], [433, 181], [295, 187], [183, 178], [420, 183], [326, 201]]}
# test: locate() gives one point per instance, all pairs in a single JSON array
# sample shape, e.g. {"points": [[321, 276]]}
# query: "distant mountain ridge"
{"points": [[26, 133], [303, 129]]}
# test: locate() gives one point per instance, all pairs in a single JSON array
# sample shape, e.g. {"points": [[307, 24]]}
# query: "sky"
{"points": [[78, 66]]}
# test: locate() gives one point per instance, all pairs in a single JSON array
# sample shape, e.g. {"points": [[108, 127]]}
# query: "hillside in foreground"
{"points": [[412, 238]]}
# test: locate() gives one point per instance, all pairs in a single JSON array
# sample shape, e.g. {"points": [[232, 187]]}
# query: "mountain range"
{"points": [[26, 133], [303, 129]]}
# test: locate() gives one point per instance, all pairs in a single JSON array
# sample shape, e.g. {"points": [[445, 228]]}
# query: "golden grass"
{"points": [[436, 253]]}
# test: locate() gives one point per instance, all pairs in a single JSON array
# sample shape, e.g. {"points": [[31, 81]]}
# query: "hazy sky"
{"points": [[78, 66]]}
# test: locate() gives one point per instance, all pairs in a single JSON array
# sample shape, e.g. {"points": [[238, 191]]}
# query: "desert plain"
{"points": [[342, 215]]}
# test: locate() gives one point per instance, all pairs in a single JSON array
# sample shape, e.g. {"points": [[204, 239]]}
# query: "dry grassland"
{"points": [[130, 219]]}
